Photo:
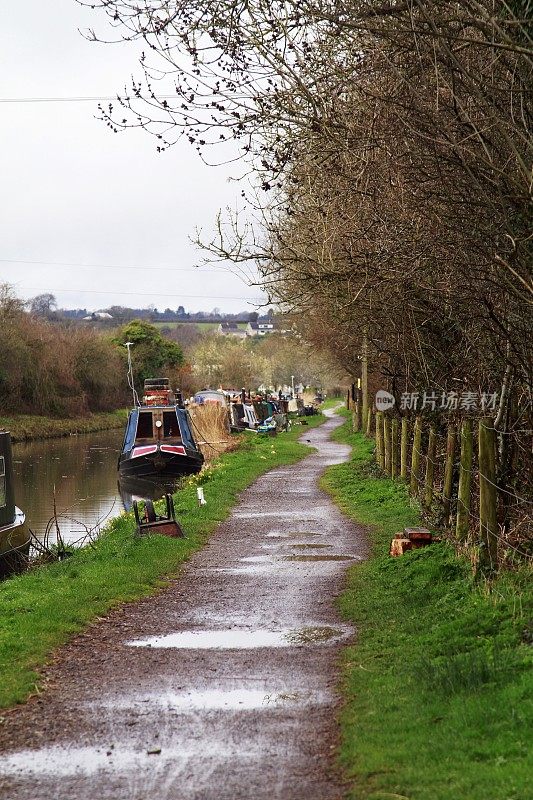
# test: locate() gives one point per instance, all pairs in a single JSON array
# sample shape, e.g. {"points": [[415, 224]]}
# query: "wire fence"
{"points": [[438, 458]]}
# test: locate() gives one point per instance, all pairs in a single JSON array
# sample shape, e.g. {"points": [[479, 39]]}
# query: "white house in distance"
{"points": [[96, 315], [260, 328], [231, 329], [254, 329]]}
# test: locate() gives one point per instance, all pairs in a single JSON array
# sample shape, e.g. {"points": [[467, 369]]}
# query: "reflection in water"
{"points": [[241, 638], [82, 470], [208, 700], [143, 489]]}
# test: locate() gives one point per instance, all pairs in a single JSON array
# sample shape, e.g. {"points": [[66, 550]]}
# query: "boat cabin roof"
{"points": [[175, 426]]}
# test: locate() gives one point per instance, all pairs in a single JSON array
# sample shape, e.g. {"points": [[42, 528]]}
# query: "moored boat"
{"points": [[159, 441], [14, 537]]}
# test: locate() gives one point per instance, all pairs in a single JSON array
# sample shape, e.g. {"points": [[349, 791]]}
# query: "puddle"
{"points": [[275, 547], [231, 639], [256, 559], [215, 700], [314, 634], [62, 762], [237, 639], [57, 762], [277, 563], [259, 514], [325, 557], [291, 534], [312, 546], [263, 568]]}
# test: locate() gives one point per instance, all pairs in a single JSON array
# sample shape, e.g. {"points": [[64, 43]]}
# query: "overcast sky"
{"points": [[76, 194]]}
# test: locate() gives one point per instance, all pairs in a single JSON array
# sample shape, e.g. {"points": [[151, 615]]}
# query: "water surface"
{"points": [[82, 473]]}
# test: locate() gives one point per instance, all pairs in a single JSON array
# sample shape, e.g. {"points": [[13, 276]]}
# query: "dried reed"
{"points": [[211, 429]]}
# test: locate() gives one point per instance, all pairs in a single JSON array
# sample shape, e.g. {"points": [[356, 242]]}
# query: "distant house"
{"points": [[97, 315], [231, 329], [260, 328]]}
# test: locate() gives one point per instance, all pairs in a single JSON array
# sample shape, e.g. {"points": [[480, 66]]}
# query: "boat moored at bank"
{"points": [[159, 440], [14, 536]]}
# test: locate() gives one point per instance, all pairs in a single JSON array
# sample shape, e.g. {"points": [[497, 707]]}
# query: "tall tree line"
{"points": [[392, 151]]}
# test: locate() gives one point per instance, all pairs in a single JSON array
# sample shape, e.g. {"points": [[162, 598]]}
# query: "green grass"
{"points": [[24, 427], [438, 700], [41, 609], [330, 402]]}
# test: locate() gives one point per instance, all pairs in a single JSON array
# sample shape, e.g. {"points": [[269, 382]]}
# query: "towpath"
{"points": [[221, 687]]}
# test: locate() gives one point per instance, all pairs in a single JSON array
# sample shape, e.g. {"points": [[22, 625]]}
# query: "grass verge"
{"points": [[438, 686], [42, 608], [330, 402], [24, 427]]}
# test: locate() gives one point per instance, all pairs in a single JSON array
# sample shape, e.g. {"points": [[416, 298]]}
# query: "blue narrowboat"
{"points": [[159, 441]]}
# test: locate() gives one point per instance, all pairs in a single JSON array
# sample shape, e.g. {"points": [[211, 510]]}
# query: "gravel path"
{"points": [[221, 687]]}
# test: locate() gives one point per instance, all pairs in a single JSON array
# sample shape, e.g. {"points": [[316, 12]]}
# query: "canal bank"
{"points": [[42, 609], [28, 427], [438, 686], [224, 684]]}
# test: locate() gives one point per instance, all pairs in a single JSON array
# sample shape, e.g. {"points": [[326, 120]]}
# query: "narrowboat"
{"points": [[14, 537], [159, 442], [210, 396]]}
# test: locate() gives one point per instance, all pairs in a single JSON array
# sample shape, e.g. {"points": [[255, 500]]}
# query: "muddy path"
{"points": [[221, 687]]}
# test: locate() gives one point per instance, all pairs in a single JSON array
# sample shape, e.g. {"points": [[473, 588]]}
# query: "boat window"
{"points": [[170, 425], [144, 426], [3, 494]]}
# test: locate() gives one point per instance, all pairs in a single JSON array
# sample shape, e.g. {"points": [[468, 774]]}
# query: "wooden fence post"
{"points": [[488, 497], [394, 448], [357, 417], [387, 444], [380, 456], [368, 423], [415, 456], [404, 448], [430, 466], [448, 474], [465, 479]]}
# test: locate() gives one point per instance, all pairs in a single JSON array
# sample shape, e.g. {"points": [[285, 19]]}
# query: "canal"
{"points": [[81, 471]]}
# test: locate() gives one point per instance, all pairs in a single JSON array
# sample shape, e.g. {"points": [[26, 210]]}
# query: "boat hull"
{"points": [[14, 546], [159, 462]]}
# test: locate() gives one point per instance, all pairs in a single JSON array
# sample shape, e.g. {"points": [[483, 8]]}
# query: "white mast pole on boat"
{"points": [[128, 345]]}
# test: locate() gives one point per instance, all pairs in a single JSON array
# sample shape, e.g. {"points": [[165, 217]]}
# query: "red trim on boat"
{"points": [[143, 451], [173, 448]]}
